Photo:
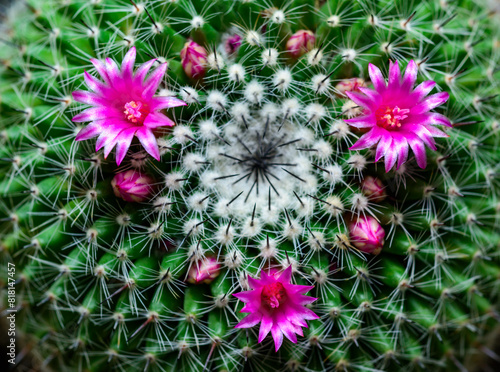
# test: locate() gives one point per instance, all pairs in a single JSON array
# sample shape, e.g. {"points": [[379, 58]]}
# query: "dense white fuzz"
{"points": [[198, 202], [334, 173], [197, 22], [292, 229], [333, 21], [162, 204], [339, 130], [251, 227], [208, 130], [189, 95], [193, 162], [315, 112], [314, 57], [254, 92], [357, 162], [182, 134], [236, 73], [282, 79], [290, 108], [225, 234], [174, 181], [268, 249], [217, 100], [215, 61], [270, 57], [359, 202], [320, 83], [316, 240], [240, 112], [196, 252], [253, 38], [233, 259], [323, 149], [333, 205], [193, 227], [269, 111], [349, 54], [278, 17]]}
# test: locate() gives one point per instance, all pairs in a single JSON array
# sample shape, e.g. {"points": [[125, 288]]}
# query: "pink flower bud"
{"points": [[132, 186], [194, 60], [232, 44], [367, 235], [349, 85], [374, 189], [204, 271], [300, 43]]}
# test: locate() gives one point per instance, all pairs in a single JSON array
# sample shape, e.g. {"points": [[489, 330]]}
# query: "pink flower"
{"points": [[374, 189], [277, 305], [300, 43], [132, 186], [124, 106], [204, 271], [194, 60], [398, 115], [367, 235], [232, 44]]}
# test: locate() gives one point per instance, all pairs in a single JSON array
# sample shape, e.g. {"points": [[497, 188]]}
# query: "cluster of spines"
{"points": [[79, 255]]}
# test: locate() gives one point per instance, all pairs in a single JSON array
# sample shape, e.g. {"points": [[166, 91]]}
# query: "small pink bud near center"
{"points": [[194, 60], [204, 271], [374, 189], [132, 186], [232, 44], [367, 235], [300, 43]]}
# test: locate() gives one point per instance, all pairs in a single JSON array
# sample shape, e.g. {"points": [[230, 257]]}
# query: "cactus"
{"points": [[244, 159]]}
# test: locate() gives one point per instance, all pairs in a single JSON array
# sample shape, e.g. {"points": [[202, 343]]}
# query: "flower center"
{"points": [[390, 117], [273, 295], [136, 112]]}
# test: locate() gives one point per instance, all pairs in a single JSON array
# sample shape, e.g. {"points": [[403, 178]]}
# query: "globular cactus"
{"points": [[250, 152]]}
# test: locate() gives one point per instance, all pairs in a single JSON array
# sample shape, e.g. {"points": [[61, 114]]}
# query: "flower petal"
{"points": [[418, 149], [148, 141], [90, 131], [157, 119], [429, 103], [128, 64], [142, 71], [124, 139], [390, 156], [410, 76], [153, 81], [96, 113], [365, 121], [160, 103], [286, 275], [89, 98], [367, 140], [249, 321], [277, 336], [376, 78], [383, 145], [394, 76], [361, 100], [100, 67], [265, 326]]}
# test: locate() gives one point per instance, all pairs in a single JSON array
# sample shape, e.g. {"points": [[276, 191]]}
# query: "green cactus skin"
{"points": [[101, 282]]}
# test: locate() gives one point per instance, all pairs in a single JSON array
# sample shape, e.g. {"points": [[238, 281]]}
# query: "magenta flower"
{"points": [[132, 186], [398, 115], [277, 305], [124, 106], [367, 235]]}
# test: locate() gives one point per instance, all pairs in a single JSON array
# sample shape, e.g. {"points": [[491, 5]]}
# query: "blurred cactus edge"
{"points": [[250, 185]]}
